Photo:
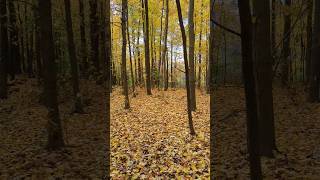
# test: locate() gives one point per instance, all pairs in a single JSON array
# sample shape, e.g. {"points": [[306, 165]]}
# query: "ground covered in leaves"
{"points": [[23, 135], [152, 138]]}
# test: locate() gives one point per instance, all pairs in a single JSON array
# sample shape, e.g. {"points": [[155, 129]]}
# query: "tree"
{"points": [[200, 47], [315, 54], [185, 57], [124, 18], [130, 57], [250, 90], [83, 46], [263, 65], [309, 39], [55, 136], [108, 78], [4, 49], [73, 59], [165, 48], [286, 45], [147, 47], [94, 34], [210, 83], [191, 55], [14, 49]]}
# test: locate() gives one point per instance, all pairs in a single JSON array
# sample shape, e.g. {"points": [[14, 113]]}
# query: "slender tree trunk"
{"points": [[250, 90], [55, 135], [108, 55], [83, 46], [210, 84], [140, 72], [38, 46], [186, 64], [315, 54], [124, 18], [73, 59], [164, 49], [14, 48], [273, 27], [286, 46], [191, 55], [200, 46], [147, 47], [94, 34], [130, 57], [309, 40], [4, 49], [160, 49], [263, 60]]}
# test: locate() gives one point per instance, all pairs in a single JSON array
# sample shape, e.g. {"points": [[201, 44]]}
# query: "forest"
{"points": [[167, 89]]}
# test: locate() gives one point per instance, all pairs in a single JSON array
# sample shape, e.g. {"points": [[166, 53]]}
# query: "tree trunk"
{"points": [[55, 136], [124, 16], [263, 61], [309, 40], [164, 49], [83, 46], [14, 48], [73, 59], [147, 47], [37, 45], [94, 34], [130, 57], [315, 54], [185, 56], [200, 46], [4, 49], [273, 27], [250, 90], [108, 59], [286, 46], [191, 55]]}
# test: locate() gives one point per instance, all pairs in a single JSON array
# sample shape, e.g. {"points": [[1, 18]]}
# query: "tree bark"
{"points": [[250, 90], [94, 34], [191, 55], [315, 54], [147, 48], [263, 61], [83, 41], [4, 49], [309, 40], [55, 136], [164, 49], [73, 59], [186, 64], [285, 68], [124, 18]]}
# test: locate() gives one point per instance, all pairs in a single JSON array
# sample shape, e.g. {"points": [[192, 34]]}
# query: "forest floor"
{"points": [[23, 120], [152, 138]]}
